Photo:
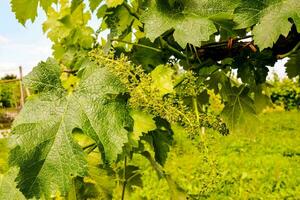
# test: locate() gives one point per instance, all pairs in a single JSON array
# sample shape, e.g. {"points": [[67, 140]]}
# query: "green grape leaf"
{"points": [[132, 175], [69, 26], [113, 3], [293, 65], [162, 79], [44, 149], [225, 28], [270, 17], [8, 188], [239, 110], [45, 78], [153, 58], [118, 20], [99, 181], [101, 11], [193, 20], [47, 3], [248, 13], [160, 140], [25, 10], [143, 123], [75, 4], [246, 73], [218, 81], [252, 66], [94, 4]]}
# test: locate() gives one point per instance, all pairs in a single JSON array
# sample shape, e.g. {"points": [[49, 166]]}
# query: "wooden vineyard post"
{"points": [[22, 99]]}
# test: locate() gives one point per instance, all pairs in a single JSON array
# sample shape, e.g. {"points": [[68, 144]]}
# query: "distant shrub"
{"points": [[9, 77], [286, 93], [9, 92]]}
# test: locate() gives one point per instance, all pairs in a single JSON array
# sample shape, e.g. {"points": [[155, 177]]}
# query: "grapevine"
{"points": [[126, 87]]}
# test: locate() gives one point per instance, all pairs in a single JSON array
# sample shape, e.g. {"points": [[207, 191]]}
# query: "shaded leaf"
{"points": [[153, 58], [160, 140], [239, 110], [248, 13], [132, 176], [293, 65]]}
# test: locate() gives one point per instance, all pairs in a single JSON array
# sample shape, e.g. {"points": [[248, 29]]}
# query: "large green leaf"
{"points": [[248, 13], [45, 150], [24, 10], [271, 19], [193, 20], [27, 9], [8, 190]]}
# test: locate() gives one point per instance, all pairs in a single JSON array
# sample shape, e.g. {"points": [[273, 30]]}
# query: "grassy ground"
{"points": [[264, 164]]}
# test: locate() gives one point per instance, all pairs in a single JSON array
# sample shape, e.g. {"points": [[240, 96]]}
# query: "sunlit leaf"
{"points": [[45, 150]]}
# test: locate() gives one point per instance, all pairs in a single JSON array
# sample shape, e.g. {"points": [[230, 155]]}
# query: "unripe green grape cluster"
{"points": [[145, 97]]}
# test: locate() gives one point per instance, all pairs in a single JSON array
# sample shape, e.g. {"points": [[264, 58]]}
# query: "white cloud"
{"points": [[3, 40], [27, 55]]}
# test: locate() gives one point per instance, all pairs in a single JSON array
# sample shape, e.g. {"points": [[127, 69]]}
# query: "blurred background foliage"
{"points": [[9, 92]]}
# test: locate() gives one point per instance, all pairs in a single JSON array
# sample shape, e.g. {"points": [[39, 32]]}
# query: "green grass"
{"points": [[3, 156], [264, 164]]}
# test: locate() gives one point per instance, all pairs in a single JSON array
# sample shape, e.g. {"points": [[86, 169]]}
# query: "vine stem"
{"points": [[124, 178], [89, 148], [224, 43], [129, 9], [161, 173], [138, 45], [164, 44], [195, 104], [290, 52]]}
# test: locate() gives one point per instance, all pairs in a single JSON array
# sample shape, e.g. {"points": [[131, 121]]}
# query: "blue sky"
{"points": [[21, 45], [27, 46]]}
